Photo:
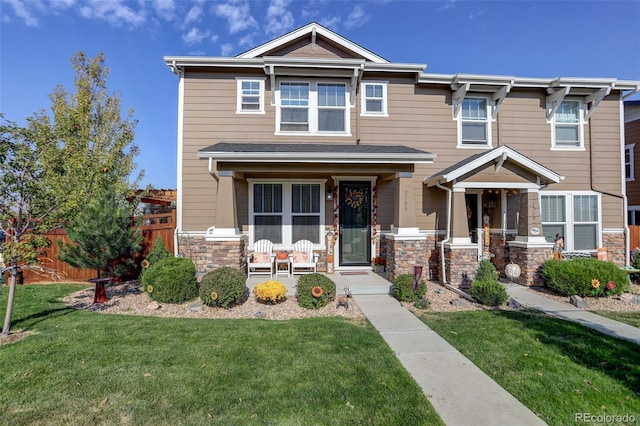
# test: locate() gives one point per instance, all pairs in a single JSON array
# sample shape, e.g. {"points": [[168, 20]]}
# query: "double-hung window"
{"points": [[250, 96], [312, 108], [474, 123], [568, 125], [285, 212], [374, 98], [574, 216]]}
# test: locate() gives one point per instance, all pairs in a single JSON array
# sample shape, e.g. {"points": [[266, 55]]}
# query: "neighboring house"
{"points": [[310, 136], [631, 157]]}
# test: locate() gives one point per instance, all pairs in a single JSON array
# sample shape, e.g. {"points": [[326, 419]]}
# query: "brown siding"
{"points": [[632, 136]]}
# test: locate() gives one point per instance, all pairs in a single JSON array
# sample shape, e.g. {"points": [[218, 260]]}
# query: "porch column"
{"points": [[530, 223], [459, 220], [404, 216], [226, 214]]}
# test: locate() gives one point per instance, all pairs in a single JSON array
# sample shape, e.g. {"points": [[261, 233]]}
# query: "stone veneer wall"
{"points": [[210, 255], [462, 264], [530, 261], [402, 255], [616, 247], [500, 250]]}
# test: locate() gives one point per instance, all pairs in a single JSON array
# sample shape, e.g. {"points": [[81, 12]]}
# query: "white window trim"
{"points": [[239, 81], [287, 214], [490, 120], [569, 222], [363, 99], [631, 214], [631, 147], [580, 125], [313, 109]]}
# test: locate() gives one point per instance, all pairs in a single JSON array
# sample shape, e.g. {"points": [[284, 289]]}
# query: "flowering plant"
{"points": [[270, 291], [319, 298], [595, 287], [379, 260], [610, 288]]}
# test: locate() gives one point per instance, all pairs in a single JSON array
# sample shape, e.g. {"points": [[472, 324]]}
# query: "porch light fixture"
{"points": [[329, 194]]}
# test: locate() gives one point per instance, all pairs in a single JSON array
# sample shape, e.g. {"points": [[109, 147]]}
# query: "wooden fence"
{"points": [[634, 236], [154, 225]]}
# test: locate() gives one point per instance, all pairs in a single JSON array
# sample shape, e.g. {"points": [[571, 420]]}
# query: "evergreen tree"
{"points": [[102, 237]]}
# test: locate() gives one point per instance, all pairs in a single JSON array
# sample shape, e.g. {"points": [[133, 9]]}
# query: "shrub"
{"points": [[171, 280], [315, 291], [422, 304], [271, 291], [402, 289], [486, 271], [488, 292], [223, 287], [584, 277], [158, 252]]}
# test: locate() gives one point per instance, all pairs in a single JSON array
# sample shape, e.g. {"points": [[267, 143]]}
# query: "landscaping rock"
{"points": [[260, 314], [634, 299], [459, 302], [578, 302], [195, 307], [153, 306], [514, 303]]}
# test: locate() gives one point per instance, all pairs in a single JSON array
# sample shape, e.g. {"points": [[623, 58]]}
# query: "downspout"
{"points": [[447, 236], [622, 195], [180, 73]]}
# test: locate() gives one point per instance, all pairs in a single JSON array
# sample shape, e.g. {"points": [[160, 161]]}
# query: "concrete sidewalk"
{"points": [[530, 299], [458, 390]]}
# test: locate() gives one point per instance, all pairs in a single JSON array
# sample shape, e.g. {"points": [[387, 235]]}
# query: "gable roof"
{"points": [[315, 153], [312, 30], [498, 156]]}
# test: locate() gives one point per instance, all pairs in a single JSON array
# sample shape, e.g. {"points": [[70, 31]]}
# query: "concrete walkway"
{"points": [[458, 390], [530, 299]]}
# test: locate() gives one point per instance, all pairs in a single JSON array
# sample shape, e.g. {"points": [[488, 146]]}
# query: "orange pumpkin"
{"points": [[330, 258], [282, 255]]}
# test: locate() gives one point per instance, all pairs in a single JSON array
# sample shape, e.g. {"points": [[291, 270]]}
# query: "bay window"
{"points": [[285, 212]]}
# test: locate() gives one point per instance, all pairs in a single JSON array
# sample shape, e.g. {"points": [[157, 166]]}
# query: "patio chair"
{"points": [[303, 259], [261, 261]]}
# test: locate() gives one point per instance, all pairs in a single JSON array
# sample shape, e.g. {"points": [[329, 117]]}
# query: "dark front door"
{"points": [[355, 223]]}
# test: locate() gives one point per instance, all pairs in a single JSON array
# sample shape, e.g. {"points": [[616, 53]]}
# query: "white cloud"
{"points": [[331, 22], [227, 49], [114, 12], [356, 18], [21, 11], [193, 15], [237, 14], [61, 4], [165, 9], [214, 38], [279, 19], [194, 36], [449, 4]]}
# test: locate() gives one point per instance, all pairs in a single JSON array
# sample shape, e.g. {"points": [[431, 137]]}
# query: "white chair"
{"points": [[261, 261], [303, 259]]}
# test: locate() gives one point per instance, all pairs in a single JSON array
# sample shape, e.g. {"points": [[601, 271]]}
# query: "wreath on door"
{"points": [[353, 198]]}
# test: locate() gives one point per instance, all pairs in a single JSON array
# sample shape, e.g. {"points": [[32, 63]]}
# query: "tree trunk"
{"points": [[13, 272]]}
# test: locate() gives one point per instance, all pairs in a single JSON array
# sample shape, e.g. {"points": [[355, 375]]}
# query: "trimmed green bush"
{"points": [[488, 292], [584, 277], [306, 287], [402, 289], [171, 280], [486, 271], [224, 287], [158, 252]]}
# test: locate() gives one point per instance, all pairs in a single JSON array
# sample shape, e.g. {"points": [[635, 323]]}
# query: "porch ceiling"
{"points": [[502, 157]]}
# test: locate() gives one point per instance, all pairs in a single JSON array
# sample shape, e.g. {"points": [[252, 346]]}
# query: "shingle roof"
{"points": [[256, 147]]}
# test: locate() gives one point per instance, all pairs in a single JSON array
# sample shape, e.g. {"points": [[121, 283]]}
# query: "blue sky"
{"points": [[521, 38]]}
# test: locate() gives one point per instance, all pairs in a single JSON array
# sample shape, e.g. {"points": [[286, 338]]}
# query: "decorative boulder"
{"points": [[578, 302]]}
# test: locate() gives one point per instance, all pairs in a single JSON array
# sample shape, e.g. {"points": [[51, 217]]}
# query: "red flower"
{"points": [[611, 285]]}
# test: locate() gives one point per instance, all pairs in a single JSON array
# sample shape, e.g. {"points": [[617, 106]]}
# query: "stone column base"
{"points": [[461, 264], [403, 252], [530, 260], [213, 253]]}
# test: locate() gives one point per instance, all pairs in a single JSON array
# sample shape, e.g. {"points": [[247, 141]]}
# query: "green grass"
{"points": [[631, 318], [554, 367], [86, 368]]}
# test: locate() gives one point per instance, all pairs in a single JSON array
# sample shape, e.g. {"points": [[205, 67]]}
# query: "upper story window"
{"points": [[374, 98], [567, 125], [628, 162], [312, 108], [250, 96], [474, 123]]}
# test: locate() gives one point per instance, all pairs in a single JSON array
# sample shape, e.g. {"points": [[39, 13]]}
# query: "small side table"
{"points": [[283, 267]]}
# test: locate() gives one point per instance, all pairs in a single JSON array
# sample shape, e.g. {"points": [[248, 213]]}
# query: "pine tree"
{"points": [[102, 237]]}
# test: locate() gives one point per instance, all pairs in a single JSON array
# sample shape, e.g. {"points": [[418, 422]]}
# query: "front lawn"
{"points": [[556, 368], [85, 368]]}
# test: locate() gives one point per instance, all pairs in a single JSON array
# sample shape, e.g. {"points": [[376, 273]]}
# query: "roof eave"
{"points": [[306, 157]]}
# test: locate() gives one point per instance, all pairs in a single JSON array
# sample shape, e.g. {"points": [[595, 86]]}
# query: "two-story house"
{"points": [[311, 136]]}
